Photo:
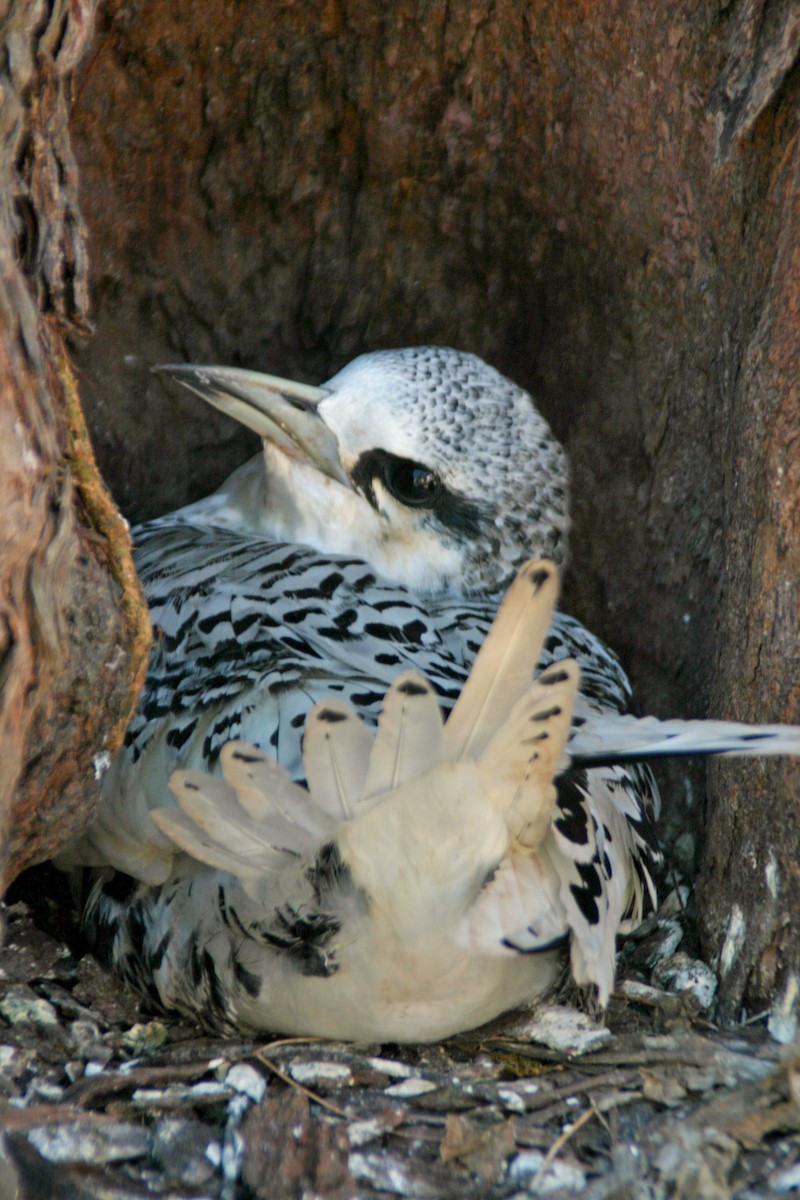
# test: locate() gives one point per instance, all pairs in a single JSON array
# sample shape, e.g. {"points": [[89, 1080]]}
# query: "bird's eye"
{"points": [[411, 483]]}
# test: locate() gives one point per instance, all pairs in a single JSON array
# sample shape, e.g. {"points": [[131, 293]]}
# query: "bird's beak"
{"points": [[278, 410]]}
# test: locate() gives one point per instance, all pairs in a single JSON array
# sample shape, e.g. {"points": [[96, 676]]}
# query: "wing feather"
{"points": [[504, 666], [409, 740], [518, 767], [336, 757]]}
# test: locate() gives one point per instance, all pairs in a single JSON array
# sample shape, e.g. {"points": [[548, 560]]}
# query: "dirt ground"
{"points": [[100, 1099]]}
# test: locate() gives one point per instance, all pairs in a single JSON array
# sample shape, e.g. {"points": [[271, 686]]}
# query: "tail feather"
{"points": [[215, 827], [261, 785], [215, 810], [336, 756], [519, 764], [409, 740], [245, 861], [504, 666], [607, 738]]}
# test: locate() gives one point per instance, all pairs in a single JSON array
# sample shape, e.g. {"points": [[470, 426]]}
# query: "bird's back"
{"points": [[250, 633]]}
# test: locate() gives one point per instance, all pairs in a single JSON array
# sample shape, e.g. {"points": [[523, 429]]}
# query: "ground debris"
{"points": [[98, 1098], [287, 1153], [564, 1030], [83, 1142], [481, 1148], [26, 952]]}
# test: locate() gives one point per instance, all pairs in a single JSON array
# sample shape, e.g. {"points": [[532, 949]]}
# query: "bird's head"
{"points": [[425, 462]]}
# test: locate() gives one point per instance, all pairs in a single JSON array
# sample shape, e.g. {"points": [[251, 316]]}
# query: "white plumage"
{"points": [[429, 875]]}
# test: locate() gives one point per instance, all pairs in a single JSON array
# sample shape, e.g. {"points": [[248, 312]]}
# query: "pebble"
{"points": [[310, 1073], [359, 1133], [566, 1030], [21, 1006], [511, 1100], [42, 1089], [787, 1180], [386, 1173], [388, 1066], [680, 973], [81, 1142], [409, 1088], [244, 1078], [559, 1176], [86, 1042]]}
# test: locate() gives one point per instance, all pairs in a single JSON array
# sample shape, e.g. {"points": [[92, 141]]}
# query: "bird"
{"points": [[428, 843], [375, 535]]}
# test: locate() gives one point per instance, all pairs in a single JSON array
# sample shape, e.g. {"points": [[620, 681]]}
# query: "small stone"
{"points": [[360, 1133], [21, 1006], [409, 1088], [232, 1155], [783, 1019], [680, 973], [566, 1030], [86, 1142], [312, 1074], [387, 1173], [86, 1039], [10, 1059], [101, 1055], [390, 1067], [511, 1100], [42, 1089], [785, 1180], [669, 935], [559, 1176], [246, 1079], [74, 1070]]}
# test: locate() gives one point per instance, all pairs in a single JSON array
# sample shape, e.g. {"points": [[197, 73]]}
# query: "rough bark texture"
{"points": [[72, 641], [601, 199]]}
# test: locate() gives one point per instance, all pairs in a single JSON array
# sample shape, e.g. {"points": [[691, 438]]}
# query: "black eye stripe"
{"points": [[412, 483], [415, 485]]}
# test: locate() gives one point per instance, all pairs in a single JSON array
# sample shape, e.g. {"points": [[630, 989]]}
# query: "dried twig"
{"points": [[261, 1055], [560, 1142]]}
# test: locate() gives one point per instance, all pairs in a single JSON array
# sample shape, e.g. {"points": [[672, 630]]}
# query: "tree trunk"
{"points": [[73, 629], [602, 200]]}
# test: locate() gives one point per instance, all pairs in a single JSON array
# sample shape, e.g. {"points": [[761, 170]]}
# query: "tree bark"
{"points": [[601, 199], [73, 630]]}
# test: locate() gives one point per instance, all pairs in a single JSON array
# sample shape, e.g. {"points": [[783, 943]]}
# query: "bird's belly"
{"points": [[378, 987], [422, 996]]}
